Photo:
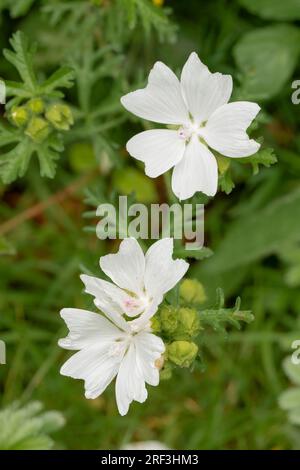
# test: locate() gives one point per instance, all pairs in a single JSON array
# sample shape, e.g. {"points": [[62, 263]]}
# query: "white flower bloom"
{"points": [[110, 345], [198, 104]]}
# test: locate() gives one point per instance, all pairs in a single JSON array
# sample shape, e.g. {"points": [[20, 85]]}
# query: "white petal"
{"points": [[159, 149], [204, 91], [161, 100], [149, 348], [108, 298], [197, 171], [126, 268], [86, 328], [93, 365], [225, 130], [162, 272], [130, 384]]}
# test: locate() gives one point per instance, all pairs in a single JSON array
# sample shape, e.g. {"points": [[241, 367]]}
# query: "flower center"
{"points": [[116, 349], [187, 131], [134, 306], [134, 327]]}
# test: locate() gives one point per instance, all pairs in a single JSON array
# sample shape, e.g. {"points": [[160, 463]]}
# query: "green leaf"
{"points": [[14, 163], [149, 15], [263, 157], [225, 182], [131, 13], [17, 89], [22, 59], [273, 10], [266, 58], [17, 8], [130, 180], [48, 152], [258, 235], [62, 78], [8, 134], [219, 316], [27, 428]]}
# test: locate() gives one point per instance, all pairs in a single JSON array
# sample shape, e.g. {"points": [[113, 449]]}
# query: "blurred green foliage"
{"points": [[27, 428], [289, 400], [106, 48]]}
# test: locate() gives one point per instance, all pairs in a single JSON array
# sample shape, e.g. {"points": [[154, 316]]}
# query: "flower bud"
{"points": [[182, 353], [19, 116], [155, 324], [188, 323], [38, 129], [192, 291], [36, 105], [60, 116], [168, 320]]}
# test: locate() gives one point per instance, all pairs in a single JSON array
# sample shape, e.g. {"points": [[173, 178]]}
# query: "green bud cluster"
{"points": [[177, 323], [156, 324], [178, 327], [168, 320], [38, 119]]}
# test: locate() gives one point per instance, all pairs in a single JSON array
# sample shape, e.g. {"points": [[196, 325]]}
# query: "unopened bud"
{"points": [[60, 116], [36, 105], [38, 129], [155, 324], [188, 323], [19, 116], [168, 319], [182, 353], [192, 291]]}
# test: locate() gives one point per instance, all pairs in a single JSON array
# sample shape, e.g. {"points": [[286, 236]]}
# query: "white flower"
{"points": [[198, 104], [110, 345]]}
